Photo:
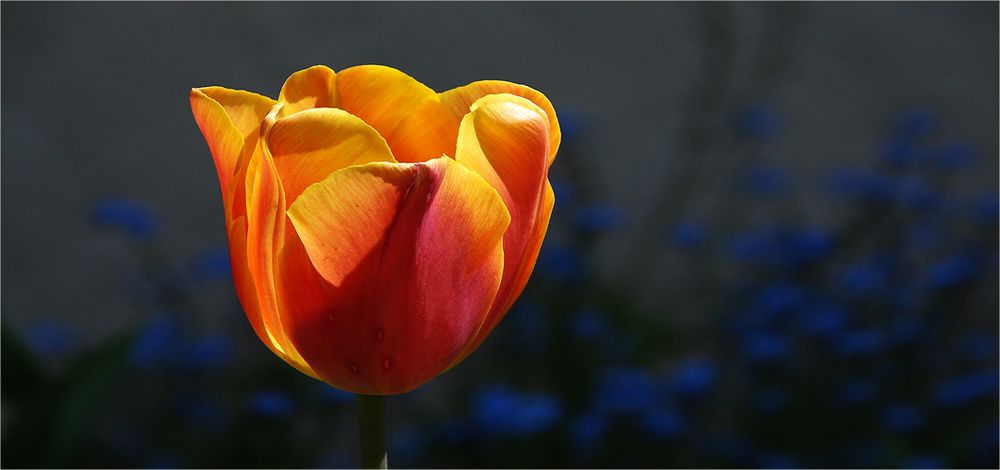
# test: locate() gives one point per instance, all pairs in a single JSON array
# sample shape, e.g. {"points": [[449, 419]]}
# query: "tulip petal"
{"points": [[230, 121], [266, 224], [459, 102], [408, 114], [247, 293], [313, 87], [505, 140], [412, 257], [310, 145]]}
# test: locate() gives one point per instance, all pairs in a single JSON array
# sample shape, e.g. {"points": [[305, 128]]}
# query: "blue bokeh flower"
{"points": [[694, 378], [688, 235], [902, 418], [271, 403], [758, 122], [501, 410], [130, 217], [599, 218]]}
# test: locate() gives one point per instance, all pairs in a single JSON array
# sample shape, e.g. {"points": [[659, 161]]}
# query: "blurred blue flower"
{"points": [[212, 264], [131, 217], [207, 352], [954, 156], [694, 377], [407, 444], [766, 346], [503, 411], [986, 209], [662, 422], [51, 339], [565, 192], [810, 244], [561, 264], [978, 346], [901, 418], [625, 390], [158, 342], [922, 237], [333, 394], [590, 324], [860, 184], [572, 124], [688, 235], [767, 180], [770, 400], [780, 297], [587, 432], [906, 330], [857, 392], [758, 121], [952, 272], [924, 462], [859, 343], [271, 403], [821, 319], [968, 388], [456, 432], [916, 194], [917, 123], [901, 152], [752, 247], [863, 278], [599, 218]]}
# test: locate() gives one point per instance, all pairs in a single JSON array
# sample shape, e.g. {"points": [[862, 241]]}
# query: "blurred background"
{"points": [[774, 244]]}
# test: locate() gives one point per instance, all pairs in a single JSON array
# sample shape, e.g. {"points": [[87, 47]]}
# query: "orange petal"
{"points": [[410, 116], [412, 258], [310, 88], [247, 293], [310, 145], [459, 102], [505, 140], [265, 213], [230, 121]]}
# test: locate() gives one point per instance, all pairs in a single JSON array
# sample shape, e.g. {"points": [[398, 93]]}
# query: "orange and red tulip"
{"points": [[379, 231]]}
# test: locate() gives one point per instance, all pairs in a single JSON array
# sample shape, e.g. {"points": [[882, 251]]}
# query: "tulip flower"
{"points": [[379, 231]]}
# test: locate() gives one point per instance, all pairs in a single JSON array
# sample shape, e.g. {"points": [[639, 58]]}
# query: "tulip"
{"points": [[379, 231]]}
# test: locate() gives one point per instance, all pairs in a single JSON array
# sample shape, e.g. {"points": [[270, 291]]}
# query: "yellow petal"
{"points": [[230, 121], [313, 87], [310, 145], [459, 102], [505, 140], [408, 114]]}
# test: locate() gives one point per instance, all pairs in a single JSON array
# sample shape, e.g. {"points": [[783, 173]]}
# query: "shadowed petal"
{"points": [[411, 257], [310, 145], [247, 293]]}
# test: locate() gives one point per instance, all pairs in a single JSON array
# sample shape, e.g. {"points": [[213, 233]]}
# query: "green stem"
{"points": [[371, 426]]}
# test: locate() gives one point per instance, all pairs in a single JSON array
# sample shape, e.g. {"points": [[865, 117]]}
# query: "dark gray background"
{"points": [[95, 105]]}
